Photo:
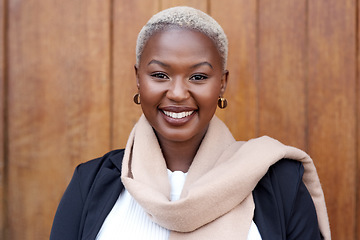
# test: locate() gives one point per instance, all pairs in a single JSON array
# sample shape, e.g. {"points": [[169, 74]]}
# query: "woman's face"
{"points": [[180, 78]]}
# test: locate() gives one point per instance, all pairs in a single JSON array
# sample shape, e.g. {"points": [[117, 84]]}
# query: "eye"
{"points": [[159, 75], [198, 77]]}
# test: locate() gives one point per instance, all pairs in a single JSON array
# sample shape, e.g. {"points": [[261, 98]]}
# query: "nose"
{"points": [[178, 90]]}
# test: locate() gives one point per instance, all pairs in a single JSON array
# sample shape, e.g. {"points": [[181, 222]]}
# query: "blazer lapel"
{"points": [[103, 194]]}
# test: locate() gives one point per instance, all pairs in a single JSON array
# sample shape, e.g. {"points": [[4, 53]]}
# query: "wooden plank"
{"points": [[358, 158], [59, 112], [282, 62], [358, 128], [2, 119], [332, 107], [358, 164], [129, 17], [199, 4], [238, 19]]}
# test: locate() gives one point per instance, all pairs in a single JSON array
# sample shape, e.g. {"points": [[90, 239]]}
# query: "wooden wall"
{"points": [[67, 81]]}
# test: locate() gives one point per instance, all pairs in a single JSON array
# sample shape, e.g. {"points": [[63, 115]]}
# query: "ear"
{"points": [[224, 81], [137, 76]]}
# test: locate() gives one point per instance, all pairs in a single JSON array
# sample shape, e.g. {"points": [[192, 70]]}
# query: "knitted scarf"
{"points": [[216, 201]]}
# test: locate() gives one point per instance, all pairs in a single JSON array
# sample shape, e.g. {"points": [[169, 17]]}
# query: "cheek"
{"points": [[150, 92], [208, 97]]}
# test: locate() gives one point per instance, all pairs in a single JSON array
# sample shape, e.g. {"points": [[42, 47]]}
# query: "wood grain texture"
{"points": [[358, 128], [129, 18], [239, 23], [59, 112], [2, 118], [332, 107], [282, 61], [199, 4], [358, 165]]}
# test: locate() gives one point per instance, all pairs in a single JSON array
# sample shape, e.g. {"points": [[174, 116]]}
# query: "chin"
{"points": [[182, 135], [178, 137]]}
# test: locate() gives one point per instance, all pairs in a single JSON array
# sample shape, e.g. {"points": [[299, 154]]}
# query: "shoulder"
{"points": [[287, 173], [281, 183], [76, 207], [85, 173], [93, 166], [283, 205]]}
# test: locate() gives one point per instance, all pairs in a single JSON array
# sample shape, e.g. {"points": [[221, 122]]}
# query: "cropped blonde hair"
{"points": [[188, 18]]}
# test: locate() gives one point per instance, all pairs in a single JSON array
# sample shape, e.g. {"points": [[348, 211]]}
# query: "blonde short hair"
{"points": [[188, 18]]}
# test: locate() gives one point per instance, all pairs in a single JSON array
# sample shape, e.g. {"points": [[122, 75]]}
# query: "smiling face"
{"points": [[180, 78]]}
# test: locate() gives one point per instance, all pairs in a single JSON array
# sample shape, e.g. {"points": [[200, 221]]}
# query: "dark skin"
{"points": [[179, 156], [180, 77]]}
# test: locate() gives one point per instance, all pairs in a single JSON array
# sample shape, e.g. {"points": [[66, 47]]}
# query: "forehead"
{"points": [[175, 44]]}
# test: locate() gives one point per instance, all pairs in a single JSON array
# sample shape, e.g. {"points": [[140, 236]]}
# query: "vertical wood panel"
{"points": [[199, 4], [357, 207], [358, 125], [282, 38], [238, 19], [129, 17], [58, 103], [332, 104], [2, 118]]}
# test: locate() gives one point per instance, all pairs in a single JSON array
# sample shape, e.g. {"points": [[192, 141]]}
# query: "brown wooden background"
{"points": [[67, 81]]}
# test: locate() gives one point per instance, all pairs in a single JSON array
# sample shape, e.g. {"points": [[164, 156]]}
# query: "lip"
{"points": [[177, 116], [177, 109]]}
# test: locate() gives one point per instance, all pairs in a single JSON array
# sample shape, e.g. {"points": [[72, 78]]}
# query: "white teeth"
{"points": [[178, 115]]}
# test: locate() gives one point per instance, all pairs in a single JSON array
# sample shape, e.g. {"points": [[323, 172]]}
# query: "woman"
{"points": [[182, 175]]}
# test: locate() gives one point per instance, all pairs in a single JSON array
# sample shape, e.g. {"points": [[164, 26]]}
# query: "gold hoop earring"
{"points": [[222, 102], [137, 99]]}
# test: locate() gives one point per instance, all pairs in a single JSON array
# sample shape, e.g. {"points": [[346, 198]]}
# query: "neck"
{"points": [[180, 155]]}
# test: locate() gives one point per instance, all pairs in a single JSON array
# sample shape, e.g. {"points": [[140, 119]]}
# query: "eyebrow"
{"points": [[202, 63], [158, 62], [167, 65]]}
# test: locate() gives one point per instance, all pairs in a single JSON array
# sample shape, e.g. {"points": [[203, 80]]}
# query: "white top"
{"points": [[128, 220]]}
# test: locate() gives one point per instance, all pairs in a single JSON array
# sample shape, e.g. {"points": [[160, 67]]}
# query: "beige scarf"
{"points": [[216, 201]]}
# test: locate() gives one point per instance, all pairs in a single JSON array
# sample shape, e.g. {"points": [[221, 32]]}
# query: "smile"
{"points": [[178, 115]]}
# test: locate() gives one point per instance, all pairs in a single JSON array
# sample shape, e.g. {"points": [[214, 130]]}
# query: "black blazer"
{"points": [[283, 206]]}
